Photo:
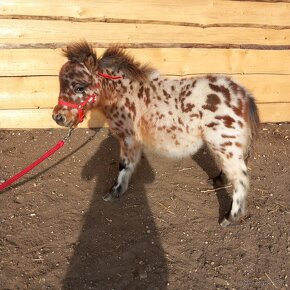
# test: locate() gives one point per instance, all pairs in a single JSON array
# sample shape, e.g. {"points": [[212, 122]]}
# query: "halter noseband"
{"points": [[90, 98], [80, 107]]}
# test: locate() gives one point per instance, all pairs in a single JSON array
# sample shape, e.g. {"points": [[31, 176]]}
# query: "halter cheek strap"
{"points": [[90, 98]]}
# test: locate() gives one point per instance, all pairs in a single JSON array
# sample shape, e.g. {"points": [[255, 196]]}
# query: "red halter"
{"points": [[90, 98], [80, 107]]}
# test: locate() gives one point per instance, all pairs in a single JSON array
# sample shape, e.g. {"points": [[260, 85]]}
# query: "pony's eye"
{"points": [[79, 89]]}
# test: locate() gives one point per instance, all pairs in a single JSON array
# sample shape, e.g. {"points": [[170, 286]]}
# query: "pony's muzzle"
{"points": [[59, 119]]}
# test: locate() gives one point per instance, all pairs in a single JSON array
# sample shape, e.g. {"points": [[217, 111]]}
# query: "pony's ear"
{"points": [[91, 63], [82, 52]]}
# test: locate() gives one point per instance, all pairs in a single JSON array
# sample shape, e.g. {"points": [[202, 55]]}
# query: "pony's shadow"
{"points": [[206, 162], [119, 246]]}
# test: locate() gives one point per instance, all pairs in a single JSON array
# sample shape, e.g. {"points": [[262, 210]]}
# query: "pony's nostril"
{"points": [[59, 118]]}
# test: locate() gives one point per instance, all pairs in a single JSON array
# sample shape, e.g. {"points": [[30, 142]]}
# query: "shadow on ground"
{"points": [[119, 245], [206, 162]]}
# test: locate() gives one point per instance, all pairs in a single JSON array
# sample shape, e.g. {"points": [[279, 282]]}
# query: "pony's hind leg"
{"points": [[236, 172], [231, 159]]}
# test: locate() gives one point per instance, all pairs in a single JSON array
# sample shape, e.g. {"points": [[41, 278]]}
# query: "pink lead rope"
{"points": [[31, 166]]}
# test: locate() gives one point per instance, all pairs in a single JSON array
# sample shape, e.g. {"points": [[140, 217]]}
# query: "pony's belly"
{"points": [[174, 146]]}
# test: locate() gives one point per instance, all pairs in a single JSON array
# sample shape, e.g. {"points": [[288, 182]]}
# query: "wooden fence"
{"points": [[249, 40]]}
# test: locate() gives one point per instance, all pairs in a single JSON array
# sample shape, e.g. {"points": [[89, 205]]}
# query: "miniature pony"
{"points": [[174, 116]]}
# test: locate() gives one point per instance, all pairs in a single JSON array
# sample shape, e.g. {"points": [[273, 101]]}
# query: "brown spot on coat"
{"points": [[180, 121], [237, 89], [211, 78], [153, 87], [239, 109], [140, 93], [228, 143], [193, 84], [147, 97], [167, 96], [188, 94], [228, 136], [240, 124], [211, 125], [185, 107], [228, 121], [225, 91], [211, 103], [131, 107]]}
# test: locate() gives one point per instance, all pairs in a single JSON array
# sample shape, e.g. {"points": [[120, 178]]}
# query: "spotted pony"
{"points": [[174, 116]]}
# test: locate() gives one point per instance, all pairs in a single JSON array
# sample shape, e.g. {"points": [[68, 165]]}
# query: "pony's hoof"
{"points": [[110, 196], [225, 223]]}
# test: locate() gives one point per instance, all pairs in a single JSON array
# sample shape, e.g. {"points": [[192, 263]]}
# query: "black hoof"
{"points": [[110, 196], [115, 193], [225, 222], [230, 219]]}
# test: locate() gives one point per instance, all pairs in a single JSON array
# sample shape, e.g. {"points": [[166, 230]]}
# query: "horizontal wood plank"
{"points": [[42, 92], [42, 31], [205, 12], [41, 118], [28, 92], [171, 61], [276, 112]]}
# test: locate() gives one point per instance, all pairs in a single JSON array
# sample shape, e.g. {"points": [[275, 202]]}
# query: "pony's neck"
{"points": [[110, 88]]}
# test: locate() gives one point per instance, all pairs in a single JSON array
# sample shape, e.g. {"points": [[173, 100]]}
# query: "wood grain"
{"points": [[203, 12], [43, 31], [173, 61]]}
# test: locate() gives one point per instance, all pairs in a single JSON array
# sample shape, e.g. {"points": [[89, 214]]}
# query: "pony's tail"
{"points": [[253, 120], [253, 117]]}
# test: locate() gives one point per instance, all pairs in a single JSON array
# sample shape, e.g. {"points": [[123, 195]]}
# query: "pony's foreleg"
{"points": [[129, 157]]}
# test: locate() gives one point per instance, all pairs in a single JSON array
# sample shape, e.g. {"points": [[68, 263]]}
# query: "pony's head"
{"points": [[80, 81], [78, 87]]}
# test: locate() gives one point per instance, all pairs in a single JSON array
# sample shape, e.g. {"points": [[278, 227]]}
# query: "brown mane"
{"points": [[114, 58], [117, 59], [80, 52]]}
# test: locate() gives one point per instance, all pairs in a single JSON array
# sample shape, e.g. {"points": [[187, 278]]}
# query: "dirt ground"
{"points": [[56, 232]]}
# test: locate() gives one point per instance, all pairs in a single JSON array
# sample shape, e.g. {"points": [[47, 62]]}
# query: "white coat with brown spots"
{"points": [[175, 117]]}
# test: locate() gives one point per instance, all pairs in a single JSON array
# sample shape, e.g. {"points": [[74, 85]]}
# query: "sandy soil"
{"points": [[56, 232]]}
